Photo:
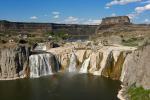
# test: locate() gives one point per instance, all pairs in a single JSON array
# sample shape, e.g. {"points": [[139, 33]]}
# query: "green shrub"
{"points": [[132, 41], [58, 35], [138, 93]]}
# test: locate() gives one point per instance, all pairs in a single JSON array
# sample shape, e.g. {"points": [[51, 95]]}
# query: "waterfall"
{"points": [[40, 65], [84, 68], [73, 63]]}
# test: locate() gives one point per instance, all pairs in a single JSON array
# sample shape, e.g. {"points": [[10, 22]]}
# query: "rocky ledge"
{"points": [[103, 60]]}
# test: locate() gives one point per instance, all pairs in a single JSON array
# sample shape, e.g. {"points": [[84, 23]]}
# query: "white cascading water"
{"points": [[73, 63], [84, 68], [39, 65]]}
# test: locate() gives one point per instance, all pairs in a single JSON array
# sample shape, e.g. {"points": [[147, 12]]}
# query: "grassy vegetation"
{"points": [[138, 93], [36, 40], [58, 36], [132, 41]]}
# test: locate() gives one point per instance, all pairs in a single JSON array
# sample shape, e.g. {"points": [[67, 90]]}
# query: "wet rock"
{"points": [[80, 55], [64, 60]]}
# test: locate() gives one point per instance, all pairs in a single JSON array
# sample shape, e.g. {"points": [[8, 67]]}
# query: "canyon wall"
{"points": [[24, 27], [115, 20], [136, 68]]}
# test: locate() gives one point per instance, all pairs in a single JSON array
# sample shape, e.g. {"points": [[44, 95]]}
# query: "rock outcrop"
{"points": [[14, 62], [136, 68], [118, 30], [115, 20]]}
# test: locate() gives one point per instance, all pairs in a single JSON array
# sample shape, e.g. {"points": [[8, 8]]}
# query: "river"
{"points": [[60, 86]]}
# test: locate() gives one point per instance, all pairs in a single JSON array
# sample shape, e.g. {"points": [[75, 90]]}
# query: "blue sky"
{"points": [[73, 11]]}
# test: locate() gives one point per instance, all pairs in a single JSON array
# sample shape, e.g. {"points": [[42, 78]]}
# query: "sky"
{"points": [[73, 11]]}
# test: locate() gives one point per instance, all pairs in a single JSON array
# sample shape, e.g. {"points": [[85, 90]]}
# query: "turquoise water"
{"points": [[60, 87]]}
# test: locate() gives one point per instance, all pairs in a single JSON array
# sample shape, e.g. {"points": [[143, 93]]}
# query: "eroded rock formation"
{"points": [[14, 62], [115, 20], [104, 60]]}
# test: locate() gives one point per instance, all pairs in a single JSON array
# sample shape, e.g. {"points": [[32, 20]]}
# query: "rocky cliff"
{"points": [[14, 62], [24, 27], [136, 68], [122, 27], [135, 75], [115, 20]]}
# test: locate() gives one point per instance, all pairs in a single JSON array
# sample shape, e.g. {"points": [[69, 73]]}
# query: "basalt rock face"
{"points": [[72, 29], [14, 62], [115, 20], [121, 27], [136, 68]]}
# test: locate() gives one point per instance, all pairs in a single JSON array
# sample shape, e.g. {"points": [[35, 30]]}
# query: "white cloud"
{"points": [[55, 13], [93, 22], [113, 14], [146, 20], [34, 17], [138, 11], [71, 20], [56, 16], [107, 7], [121, 2], [142, 9], [132, 15]]}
